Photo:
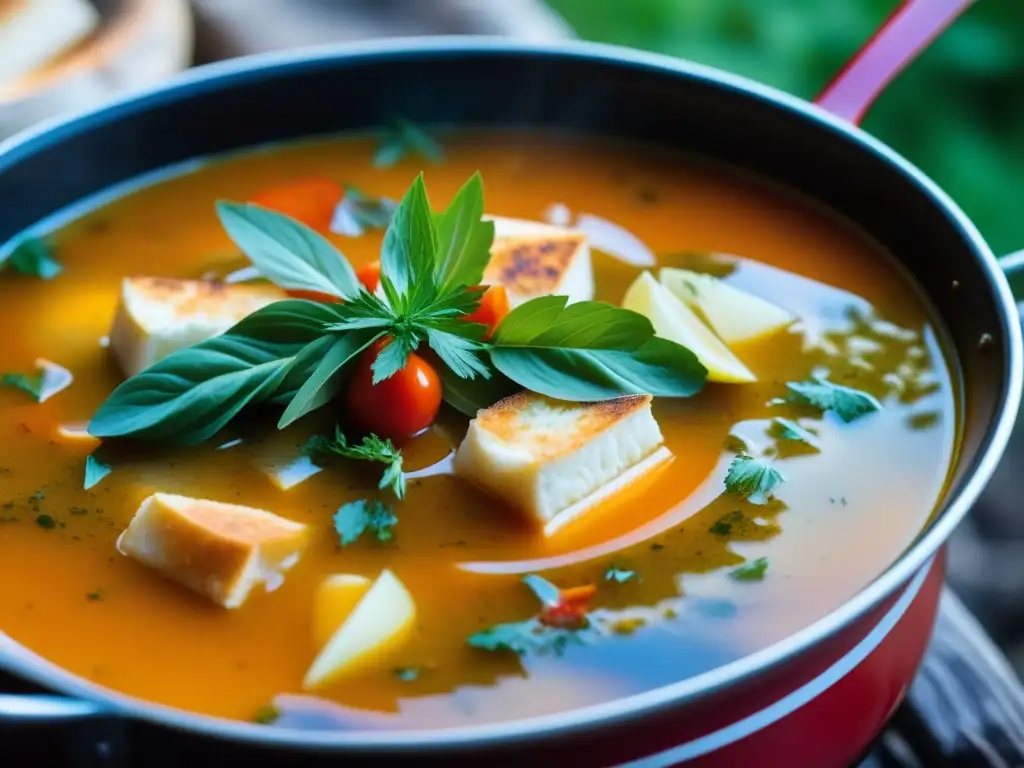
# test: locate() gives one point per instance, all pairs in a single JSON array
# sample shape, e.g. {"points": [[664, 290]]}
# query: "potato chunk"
{"points": [[378, 624]]}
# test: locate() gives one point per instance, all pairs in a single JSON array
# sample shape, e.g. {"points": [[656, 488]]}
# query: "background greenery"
{"points": [[957, 112]]}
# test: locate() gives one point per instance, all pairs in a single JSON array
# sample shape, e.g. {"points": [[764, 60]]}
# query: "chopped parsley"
{"points": [[530, 636], [787, 429], [29, 383], [618, 575], [753, 479], [354, 519], [752, 571], [724, 525], [46, 521], [95, 471], [266, 715], [404, 138], [845, 402], [406, 674], [321, 448], [359, 212], [32, 257], [94, 595]]}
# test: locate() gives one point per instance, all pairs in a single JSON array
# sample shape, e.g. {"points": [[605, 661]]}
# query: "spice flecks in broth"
{"points": [[844, 513]]}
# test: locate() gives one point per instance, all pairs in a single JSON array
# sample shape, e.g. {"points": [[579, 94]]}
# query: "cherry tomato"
{"points": [[311, 201], [397, 407], [493, 307], [369, 275]]}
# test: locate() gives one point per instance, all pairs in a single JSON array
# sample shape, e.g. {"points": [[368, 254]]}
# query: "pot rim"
{"points": [[223, 74]]}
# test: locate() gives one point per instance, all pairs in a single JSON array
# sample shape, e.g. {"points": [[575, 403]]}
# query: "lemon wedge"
{"points": [[378, 624], [674, 321], [336, 598], [735, 315]]}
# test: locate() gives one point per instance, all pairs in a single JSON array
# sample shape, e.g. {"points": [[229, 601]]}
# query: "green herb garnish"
{"points": [[752, 571], [618, 575], [724, 525], [95, 471], [94, 595], [359, 212], [31, 257], [404, 138], [530, 636], [845, 402], [266, 715], [29, 383], [753, 479], [787, 429], [46, 521], [296, 353], [354, 519], [406, 674], [321, 448]]}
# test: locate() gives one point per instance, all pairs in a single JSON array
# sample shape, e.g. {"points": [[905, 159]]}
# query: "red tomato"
{"points": [[311, 201], [397, 407], [369, 275], [571, 611], [493, 307]]}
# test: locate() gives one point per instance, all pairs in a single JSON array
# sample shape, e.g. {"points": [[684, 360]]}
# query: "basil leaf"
{"points": [[29, 383], [288, 253], [468, 396], [464, 240], [407, 255], [358, 212], [95, 471], [325, 381], [32, 257], [290, 321], [591, 351], [549, 321], [402, 137], [306, 361], [190, 395]]}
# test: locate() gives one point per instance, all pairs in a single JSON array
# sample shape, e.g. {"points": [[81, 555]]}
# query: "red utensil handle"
{"points": [[898, 42]]}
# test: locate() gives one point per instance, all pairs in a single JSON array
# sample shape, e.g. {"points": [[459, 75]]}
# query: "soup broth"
{"points": [[663, 554]]}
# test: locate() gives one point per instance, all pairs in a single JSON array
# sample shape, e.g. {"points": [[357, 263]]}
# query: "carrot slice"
{"points": [[369, 275], [493, 307], [311, 201]]}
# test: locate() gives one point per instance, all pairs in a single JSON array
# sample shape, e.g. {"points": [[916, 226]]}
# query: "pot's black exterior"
{"points": [[577, 88]]}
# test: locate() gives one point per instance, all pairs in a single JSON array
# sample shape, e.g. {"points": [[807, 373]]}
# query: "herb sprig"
{"points": [[32, 257], [321, 448], [296, 353]]}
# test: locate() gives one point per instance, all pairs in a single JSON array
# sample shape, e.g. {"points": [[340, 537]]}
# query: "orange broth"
{"points": [[842, 516]]}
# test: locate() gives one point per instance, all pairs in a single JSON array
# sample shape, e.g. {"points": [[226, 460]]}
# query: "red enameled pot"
{"points": [[818, 698]]}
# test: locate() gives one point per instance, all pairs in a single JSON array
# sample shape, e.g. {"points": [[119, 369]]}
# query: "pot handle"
{"points": [[900, 39]]}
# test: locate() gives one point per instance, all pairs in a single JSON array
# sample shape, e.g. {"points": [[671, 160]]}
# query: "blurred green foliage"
{"points": [[957, 112]]}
